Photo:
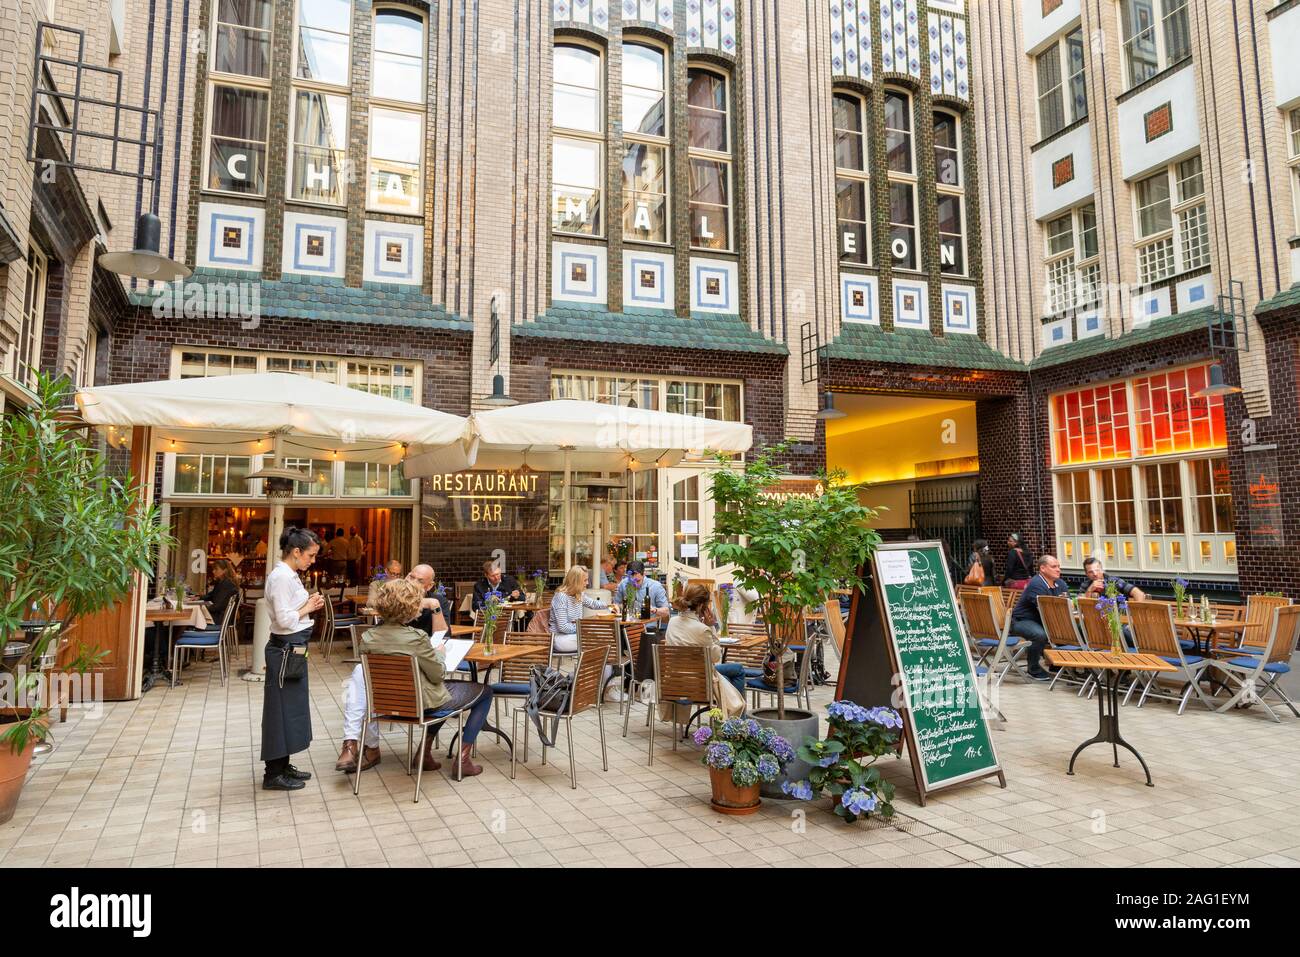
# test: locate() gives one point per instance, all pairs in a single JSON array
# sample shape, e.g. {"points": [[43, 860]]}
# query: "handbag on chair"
{"points": [[548, 690]]}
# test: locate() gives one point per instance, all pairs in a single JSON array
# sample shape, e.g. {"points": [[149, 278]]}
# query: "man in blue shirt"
{"points": [[644, 589], [1027, 623]]}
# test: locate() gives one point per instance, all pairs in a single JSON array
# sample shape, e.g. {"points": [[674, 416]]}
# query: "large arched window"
{"points": [[397, 72], [578, 141], [709, 114], [901, 163], [950, 190], [852, 187], [646, 128]]}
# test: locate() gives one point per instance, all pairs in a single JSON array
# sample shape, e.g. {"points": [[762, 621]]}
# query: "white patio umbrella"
{"points": [[272, 413], [567, 434]]}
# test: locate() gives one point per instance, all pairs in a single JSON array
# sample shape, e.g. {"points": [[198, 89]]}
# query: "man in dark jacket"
{"points": [[1027, 623], [495, 579]]}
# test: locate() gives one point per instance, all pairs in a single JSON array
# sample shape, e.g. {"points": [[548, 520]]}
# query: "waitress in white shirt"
{"points": [[286, 715]]}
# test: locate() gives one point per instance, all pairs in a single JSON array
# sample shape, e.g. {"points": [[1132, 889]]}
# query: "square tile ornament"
{"points": [[312, 245], [230, 236], [647, 280], [578, 273], [714, 286], [394, 253], [860, 298]]}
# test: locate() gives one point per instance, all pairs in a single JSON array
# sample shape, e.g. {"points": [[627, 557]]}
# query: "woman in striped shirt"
{"points": [[566, 610]]}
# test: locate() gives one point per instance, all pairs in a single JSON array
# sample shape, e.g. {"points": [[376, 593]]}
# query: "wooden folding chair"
{"points": [[992, 642], [513, 678], [1259, 622], [683, 676], [1062, 631], [584, 693], [1155, 634], [1257, 676]]}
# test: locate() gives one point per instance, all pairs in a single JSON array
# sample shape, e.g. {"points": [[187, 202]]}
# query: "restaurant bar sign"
{"points": [[794, 488], [484, 497]]}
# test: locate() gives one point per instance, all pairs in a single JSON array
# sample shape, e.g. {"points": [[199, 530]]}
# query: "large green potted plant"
{"points": [[72, 538], [794, 551]]}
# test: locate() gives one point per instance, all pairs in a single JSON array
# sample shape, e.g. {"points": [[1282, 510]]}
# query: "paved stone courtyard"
{"points": [[173, 780]]}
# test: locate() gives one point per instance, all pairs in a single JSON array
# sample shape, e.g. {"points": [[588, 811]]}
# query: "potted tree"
{"points": [[72, 538], [794, 551]]}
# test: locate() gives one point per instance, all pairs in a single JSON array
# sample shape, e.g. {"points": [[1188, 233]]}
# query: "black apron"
{"points": [[286, 712]]}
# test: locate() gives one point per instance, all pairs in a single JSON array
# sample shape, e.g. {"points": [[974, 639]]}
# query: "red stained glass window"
{"points": [[1091, 425], [1171, 418]]}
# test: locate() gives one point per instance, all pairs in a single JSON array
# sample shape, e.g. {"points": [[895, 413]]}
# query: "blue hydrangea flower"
{"points": [[858, 801], [828, 760], [800, 790], [733, 727], [703, 734], [782, 749], [720, 755], [744, 773], [765, 737], [753, 728], [768, 769]]}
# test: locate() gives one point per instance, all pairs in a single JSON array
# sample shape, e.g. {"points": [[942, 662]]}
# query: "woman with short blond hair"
{"points": [[566, 610]]}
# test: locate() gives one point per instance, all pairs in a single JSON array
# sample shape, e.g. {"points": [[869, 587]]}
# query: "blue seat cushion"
{"points": [[196, 637], [1190, 659], [980, 671], [1248, 651], [1070, 648], [990, 642], [1274, 667], [510, 687], [463, 666], [347, 622], [1186, 644], [759, 685]]}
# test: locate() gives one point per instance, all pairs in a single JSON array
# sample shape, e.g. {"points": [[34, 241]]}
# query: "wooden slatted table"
{"points": [[478, 658], [1206, 633], [1110, 666]]}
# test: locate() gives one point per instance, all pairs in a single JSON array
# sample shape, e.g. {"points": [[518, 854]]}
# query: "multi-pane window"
{"points": [[711, 400], [707, 99], [201, 365], [852, 186], [242, 38], [32, 323], [901, 165], [323, 370], [318, 128], [322, 53], [1172, 418], [578, 141], [321, 471], [950, 199], [373, 478], [211, 474], [645, 133], [393, 182], [1156, 36], [393, 379], [1091, 425], [237, 131], [1212, 488], [1073, 265], [633, 512], [1062, 91], [611, 390], [1293, 158], [1172, 225]]}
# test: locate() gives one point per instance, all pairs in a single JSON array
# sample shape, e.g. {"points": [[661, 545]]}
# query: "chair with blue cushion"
{"points": [[797, 684], [1155, 634], [993, 644], [1254, 677], [1062, 634], [1258, 624], [204, 639], [332, 625], [512, 683]]}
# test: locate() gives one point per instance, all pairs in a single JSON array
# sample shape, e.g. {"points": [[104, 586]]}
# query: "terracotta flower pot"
{"points": [[13, 774], [731, 798]]}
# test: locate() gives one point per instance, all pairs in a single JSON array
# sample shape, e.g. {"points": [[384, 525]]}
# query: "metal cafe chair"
{"points": [[996, 649], [513, 683], [683, 677], [1062, 631], [584, 693], [203, 639], [1155, 634], [1256, 676]]}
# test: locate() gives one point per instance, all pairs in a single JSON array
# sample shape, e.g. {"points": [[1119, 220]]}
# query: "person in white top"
{"points": [[286, 713], [744, 606], [566, 610]]}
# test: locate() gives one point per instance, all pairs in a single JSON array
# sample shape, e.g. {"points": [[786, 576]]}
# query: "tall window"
{"points": [[393, 182], [950, 186], [852, 186], [1062, 92], [318, 129], [645, 134], [578, 141], [31, 327], [1172, 225], [1073, 266], [901, 165], [1156, 36], [242, 38], [1293, 157], [708, 105], [238, 93]]}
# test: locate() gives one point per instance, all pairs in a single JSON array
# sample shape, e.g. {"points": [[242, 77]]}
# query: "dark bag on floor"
{"points": [[548, 690]]}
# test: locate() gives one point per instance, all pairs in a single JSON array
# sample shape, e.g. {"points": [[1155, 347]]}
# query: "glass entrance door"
{"points": [[687, 523]]}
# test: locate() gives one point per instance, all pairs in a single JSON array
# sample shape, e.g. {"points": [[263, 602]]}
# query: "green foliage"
{"points": [[793, 550], [843, 762], [71, 536]]}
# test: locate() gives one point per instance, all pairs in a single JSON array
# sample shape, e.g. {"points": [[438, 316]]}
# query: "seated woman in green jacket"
{"points": [[398, 601]]}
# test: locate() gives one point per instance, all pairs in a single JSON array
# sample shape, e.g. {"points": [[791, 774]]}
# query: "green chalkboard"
{"points": [[947, 734]]}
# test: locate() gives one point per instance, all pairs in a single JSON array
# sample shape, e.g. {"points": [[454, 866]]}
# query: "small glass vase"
{"points": [[489, 632]]}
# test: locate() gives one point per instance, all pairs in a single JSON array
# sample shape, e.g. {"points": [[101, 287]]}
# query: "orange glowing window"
{"points": [[1091, 425], [1172, 418]]}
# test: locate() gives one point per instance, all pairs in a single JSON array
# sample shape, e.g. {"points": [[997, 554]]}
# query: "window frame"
{"points": [[598, 139], [862, 177], [217, 24], [1161, 15], [413, 108], [1059, 50], [215, 81], [1293, 161], [292, 145], [31, 322], [1176, 233], [663, 142], [712, 156], [1080, 266], [959, 191], [908, 179]]}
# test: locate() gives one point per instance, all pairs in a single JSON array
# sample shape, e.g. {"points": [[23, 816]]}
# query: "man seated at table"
{"points": [[1096, 588], [1027, 623], [645, 592], [433, 614], [399, 601], [494, 579], [607, 579]]}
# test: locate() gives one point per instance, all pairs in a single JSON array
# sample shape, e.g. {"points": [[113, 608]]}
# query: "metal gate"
{"points": [[949, 512]]}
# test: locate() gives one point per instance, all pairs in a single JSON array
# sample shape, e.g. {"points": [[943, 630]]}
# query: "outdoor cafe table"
{"points": [[1110, 665], [478, 657], [195, 616], [1206, 633]]}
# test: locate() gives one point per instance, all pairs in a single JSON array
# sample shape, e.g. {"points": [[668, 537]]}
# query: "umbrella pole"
{"points": [[262, 615], [568, 516]]}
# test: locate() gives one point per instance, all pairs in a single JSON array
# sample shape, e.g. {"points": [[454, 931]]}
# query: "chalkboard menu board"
{"points": [[947, 737]]}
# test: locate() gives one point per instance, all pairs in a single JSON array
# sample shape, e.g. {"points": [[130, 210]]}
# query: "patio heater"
{"points": [[598, 490], [278, 483]]}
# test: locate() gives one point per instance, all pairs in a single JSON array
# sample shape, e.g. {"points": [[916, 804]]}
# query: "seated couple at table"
{"points": [[398, 603]]}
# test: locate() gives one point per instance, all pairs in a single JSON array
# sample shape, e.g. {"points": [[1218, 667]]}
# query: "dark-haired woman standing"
{"points": [[286, 715]]}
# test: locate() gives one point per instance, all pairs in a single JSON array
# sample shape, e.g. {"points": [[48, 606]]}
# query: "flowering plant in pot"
{"points": [[740, 754], [726, 592], [843, 762], [72, 540], [539, 582]]}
